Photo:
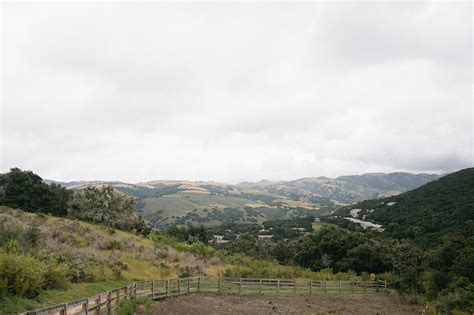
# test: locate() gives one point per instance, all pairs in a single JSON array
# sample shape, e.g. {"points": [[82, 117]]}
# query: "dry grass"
{"points": [[102, 248]]}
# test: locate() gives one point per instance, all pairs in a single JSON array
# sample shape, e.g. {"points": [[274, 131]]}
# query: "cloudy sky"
{"points": [[235, 91]]}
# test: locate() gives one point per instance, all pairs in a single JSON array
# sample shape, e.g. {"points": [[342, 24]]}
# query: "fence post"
{"points": [[310, 286], [199, 283], [167, 287], [325, 286], [179, 286], [86, 310], [134, 290], [188, 284], [98, 302], [153, 289], [109, 309], [278, 286], [260, 289], [218, 284], [365, 287], [352, 285], [377, 285], [240, 285], [339, 286], [385, 284]]}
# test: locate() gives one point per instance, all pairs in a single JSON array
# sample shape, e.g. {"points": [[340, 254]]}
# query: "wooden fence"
{"points": [[106, 302]]}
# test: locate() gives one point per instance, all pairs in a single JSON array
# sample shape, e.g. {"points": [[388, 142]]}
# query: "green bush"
{"points": [[78, 271], [21, 275], [56, 276]]}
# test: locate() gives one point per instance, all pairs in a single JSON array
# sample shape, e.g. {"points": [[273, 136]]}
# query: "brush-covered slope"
{"points": [[441, 207], [46, 260]]}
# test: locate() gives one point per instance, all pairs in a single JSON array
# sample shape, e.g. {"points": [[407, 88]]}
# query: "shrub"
{"points": [[8, 233], [31, 237], [21, 275], [56, 275], [78, 271], [12, 247], [111, 245], [214, 261]]}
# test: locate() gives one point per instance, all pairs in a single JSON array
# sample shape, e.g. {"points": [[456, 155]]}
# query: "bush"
{"points": [[8, 233], [111, 245], [21, 275], [31, 237], [78, 271], [196, 248], [56, 276]]}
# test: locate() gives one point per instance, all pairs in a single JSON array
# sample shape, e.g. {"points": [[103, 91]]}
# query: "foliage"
{"points": [[27, 191], [426, 214], [20, 275], [439, 218], [106, 206], [129, 307], [189, 234]]}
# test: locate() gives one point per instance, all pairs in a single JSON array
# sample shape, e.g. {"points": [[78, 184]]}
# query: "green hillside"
{"points": [[444, 206]]}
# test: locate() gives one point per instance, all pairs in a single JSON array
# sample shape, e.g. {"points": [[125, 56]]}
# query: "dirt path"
{"points": [[292, 304]]}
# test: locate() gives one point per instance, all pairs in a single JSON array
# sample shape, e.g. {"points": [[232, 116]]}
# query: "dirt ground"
{"points": [[291, 304]]}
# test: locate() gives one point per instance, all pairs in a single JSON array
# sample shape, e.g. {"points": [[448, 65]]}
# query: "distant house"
{"points": [[300, 229], [218, 239], [265, 237], [263, 231]]}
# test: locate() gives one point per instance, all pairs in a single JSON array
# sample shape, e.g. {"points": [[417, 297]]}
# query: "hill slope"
{"points": [[178, 202], [46, 260], [444, 206]]}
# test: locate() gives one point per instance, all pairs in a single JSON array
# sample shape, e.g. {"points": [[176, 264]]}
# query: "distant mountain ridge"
{"points": [[166, 202], [346, 189]]}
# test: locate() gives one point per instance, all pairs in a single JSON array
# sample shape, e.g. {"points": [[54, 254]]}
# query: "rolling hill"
{"points": [[179, 202], [442, 207]]}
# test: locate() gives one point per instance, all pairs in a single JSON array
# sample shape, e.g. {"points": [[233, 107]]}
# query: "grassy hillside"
{"points": [[444, 206], [78, 259], [164, 203]]}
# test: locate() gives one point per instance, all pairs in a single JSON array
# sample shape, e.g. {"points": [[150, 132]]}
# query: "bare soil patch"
{"points": [[198, 304]]}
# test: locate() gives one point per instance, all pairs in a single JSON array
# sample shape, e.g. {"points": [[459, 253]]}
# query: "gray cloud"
{"points": [[235, 91]]}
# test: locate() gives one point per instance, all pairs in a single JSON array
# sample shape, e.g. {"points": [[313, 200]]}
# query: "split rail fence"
{"points": [[107, 302]]}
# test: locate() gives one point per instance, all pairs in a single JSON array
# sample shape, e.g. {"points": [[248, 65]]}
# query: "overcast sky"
{"points": [[233, 92]]}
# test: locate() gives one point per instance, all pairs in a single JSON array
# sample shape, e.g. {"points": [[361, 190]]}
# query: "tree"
{"points": [[27, 191], [106, 206]]}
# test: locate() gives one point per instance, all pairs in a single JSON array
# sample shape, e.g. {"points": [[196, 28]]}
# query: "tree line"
{"points": [[102, 204]]}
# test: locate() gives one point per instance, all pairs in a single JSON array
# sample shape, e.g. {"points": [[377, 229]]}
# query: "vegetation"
{"points": [[70, 259], [106, 206], [96, 238], [166, 203], [26, 190], [442, 207], [438, 218]]}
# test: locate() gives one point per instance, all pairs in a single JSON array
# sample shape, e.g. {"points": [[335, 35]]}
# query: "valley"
{"points": [[164, 203]]}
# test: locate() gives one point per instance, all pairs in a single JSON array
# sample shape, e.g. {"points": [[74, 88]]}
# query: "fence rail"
{"points": [[105, 303]]}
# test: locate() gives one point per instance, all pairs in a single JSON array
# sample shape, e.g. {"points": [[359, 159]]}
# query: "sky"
{"points": [[235, 91]]}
